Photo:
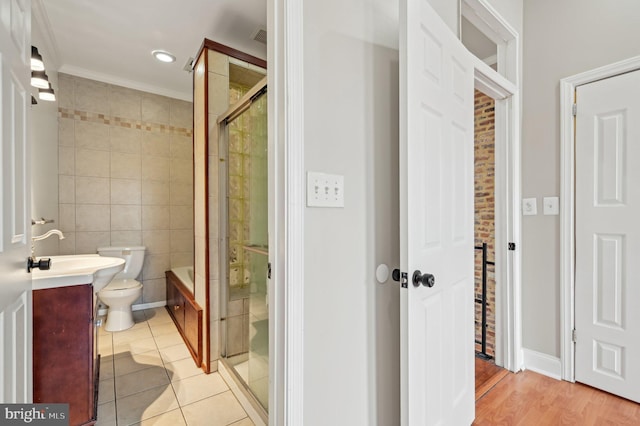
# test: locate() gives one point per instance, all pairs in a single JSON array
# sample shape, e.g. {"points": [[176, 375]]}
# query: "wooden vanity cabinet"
{"points": [[65, 363]]}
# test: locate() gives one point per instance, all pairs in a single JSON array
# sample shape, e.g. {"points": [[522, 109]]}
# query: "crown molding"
{"points": [[107, 78], [40, 22]]}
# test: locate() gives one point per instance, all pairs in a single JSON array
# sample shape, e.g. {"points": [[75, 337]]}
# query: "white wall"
{"points": [[44, 153], [351, 323], [561, 39], [351, 352]]}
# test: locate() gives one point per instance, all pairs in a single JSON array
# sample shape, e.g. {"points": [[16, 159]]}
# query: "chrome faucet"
{"points": [[42, 237], [48, 234]]}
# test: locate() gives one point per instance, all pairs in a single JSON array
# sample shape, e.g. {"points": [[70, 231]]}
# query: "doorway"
{"points": [[497, 221], [484, 226], [492, 44], [487, 373]]}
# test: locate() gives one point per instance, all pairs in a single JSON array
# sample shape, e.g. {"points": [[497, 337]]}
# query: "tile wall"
{"points": [[218, 102], [125, 175]]}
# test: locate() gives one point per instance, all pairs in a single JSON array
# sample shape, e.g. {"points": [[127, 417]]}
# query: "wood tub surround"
{"points": [[186, 314], [65, 360]]}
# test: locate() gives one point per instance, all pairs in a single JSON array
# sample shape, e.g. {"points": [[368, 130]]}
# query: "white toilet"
{"points": [[123, 290]]}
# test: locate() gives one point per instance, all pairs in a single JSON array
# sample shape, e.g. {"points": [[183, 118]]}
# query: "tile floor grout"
{"points": [[214, 405]]}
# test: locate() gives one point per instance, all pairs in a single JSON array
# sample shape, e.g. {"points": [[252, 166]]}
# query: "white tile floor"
{"points": [[147, 377]]}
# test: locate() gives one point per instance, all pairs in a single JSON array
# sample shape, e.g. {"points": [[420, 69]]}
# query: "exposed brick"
{"points": [[484, 211]]}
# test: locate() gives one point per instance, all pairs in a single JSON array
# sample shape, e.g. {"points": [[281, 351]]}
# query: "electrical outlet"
{"points": [[550, 205], [324, 190], [529, 207]]}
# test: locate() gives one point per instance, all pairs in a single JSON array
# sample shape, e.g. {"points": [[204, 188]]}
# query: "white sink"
{"points": [[78, 269]]}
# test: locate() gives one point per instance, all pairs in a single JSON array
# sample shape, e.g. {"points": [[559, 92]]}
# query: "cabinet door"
{"points": [[193, 330], [63, 350], [175, 303]]}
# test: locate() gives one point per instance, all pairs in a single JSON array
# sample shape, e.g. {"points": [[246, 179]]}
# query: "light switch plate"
{"points": [[529, 207], [324, 190], [551, 205]]}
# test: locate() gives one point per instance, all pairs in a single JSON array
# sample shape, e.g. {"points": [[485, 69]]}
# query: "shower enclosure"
{"points": [[244, 323]]}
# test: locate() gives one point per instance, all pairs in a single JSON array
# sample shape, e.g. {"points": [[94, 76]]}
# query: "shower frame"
{"points": [[210, 57], [228, 116]]}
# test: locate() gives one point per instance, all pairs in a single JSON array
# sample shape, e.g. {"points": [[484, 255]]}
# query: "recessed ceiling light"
{"points": [[163, 56]]}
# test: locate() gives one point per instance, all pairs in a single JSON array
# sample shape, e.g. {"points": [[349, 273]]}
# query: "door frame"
{"points": [[285, 56], [568, 87], [503, 86]]}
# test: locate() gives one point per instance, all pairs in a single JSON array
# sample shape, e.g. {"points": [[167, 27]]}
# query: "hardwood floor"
{"points": [[487, 375], [528, 398]]}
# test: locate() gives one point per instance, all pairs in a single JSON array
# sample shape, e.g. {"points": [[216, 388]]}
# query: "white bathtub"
{"points": [[185, 274]]}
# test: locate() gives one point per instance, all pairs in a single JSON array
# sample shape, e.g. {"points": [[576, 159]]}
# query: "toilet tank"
{"points": [[133, 259]]}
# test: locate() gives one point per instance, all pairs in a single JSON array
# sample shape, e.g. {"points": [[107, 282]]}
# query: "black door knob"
{"points": [[43, 264], [426, 280]]}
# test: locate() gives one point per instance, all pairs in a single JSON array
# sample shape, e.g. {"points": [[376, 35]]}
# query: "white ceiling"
{"points": [[112, 40]]}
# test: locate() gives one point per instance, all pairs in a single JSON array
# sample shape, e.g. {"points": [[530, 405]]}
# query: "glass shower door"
{"points": [[245, 327]]}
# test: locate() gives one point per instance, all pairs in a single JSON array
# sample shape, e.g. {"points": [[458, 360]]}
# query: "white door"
{"points": [[436, 220], [607, 292], [15, 199]]}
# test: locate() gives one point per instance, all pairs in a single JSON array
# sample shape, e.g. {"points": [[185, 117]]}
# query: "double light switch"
{"points": [[550, 206]]}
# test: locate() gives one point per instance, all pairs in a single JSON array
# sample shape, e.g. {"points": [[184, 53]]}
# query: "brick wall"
{"points": [[484, 212]]}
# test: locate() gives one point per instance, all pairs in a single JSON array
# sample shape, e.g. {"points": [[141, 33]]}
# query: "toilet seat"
{"points": [[122, 284]]}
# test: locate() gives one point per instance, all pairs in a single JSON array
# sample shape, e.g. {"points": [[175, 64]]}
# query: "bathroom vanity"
{"points": [[65, 340], [65, 356]]}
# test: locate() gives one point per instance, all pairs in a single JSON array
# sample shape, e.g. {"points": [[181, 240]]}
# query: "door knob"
{"points": [[42, 264], [426, 280]]}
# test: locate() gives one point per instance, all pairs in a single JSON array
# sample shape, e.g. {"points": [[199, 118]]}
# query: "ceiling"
{"points": [[112, 40]]}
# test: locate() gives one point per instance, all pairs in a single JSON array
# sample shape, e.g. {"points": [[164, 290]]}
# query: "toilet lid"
{"points": [[122, 284]]}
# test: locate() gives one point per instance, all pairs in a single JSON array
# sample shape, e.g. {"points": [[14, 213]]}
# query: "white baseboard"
{"points": [[542, 363], [139, 307]]}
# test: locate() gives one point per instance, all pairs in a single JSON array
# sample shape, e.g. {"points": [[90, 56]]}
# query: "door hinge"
{"points": [[269, 270], [512, 246], [574, 336], [574, 109]]}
